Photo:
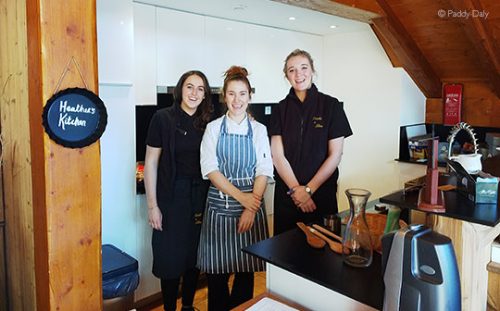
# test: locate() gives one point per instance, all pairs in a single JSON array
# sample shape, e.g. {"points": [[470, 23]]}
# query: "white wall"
{"points": [[377, 99], [412, 101], [138, 50], [124, 224]]}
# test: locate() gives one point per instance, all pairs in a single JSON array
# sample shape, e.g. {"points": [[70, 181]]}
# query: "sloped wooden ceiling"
{"points": [[436, 42]]}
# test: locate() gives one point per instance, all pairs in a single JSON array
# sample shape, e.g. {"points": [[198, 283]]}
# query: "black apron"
{"points": [[175, 248]]}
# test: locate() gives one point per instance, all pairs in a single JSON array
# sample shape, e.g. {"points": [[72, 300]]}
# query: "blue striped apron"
{"points": [[220, 243]]}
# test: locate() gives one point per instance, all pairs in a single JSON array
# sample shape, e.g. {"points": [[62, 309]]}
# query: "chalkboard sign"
{"points": [[75, 118]]}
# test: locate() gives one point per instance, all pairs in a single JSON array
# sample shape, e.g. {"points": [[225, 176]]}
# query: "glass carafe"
{"points": [[356, 242]]}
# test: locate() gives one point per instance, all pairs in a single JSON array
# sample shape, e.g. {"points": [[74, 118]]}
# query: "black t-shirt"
{"points": [[306, 128], [187, 147], [161, 134]]}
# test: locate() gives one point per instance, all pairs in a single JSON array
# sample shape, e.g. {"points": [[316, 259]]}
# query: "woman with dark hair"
{"points": [[175, 191], [235, 156], [307, 131]]}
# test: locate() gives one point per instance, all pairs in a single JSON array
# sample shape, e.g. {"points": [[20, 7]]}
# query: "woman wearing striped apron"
{"points": [[235, 156]]}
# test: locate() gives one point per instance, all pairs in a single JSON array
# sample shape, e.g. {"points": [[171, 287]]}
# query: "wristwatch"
{"points": [[308, 190]]}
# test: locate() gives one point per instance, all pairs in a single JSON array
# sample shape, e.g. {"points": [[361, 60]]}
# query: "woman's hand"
{"points": [[155, 218], [246, 221], [308, 206], [249, 201], [303, 200]]}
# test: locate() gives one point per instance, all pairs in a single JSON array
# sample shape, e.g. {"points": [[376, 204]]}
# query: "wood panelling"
{"points": [[3, 279], [16, 155], [479, 33], [450, 53], [364, 5], [481, 106], [409, 55], [387, 48], [482, 109], [3, 274], [493, 286], [472, 245], [436, 43], [65, 182], [63, 54], [434, 110], [460, 50], [360, 10]]}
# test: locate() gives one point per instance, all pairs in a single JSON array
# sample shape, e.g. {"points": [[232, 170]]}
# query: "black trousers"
{"points": [[170, 289], [286, 214], [219, 298]]}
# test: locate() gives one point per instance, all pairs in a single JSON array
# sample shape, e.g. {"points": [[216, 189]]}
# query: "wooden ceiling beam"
{"points": [[480, 35], [359, 10], [365, 5], [387, 48], [407, 51]]}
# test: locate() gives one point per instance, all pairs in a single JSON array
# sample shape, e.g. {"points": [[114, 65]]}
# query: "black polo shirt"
{"points": [[187, 146], [306, 128], [161, 134]]}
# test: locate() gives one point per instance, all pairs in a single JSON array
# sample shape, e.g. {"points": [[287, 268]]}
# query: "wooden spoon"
{"points": [[327, 232], [334, 246], [312, 240]]}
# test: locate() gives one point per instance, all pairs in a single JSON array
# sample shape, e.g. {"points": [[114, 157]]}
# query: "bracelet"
{"points": [[291, 190]]}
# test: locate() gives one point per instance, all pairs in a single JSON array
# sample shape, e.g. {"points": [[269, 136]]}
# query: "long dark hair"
{"points": [[205, 110]]}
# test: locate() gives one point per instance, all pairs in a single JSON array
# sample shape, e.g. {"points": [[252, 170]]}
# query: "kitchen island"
{"points": [[472, 229], [317, 278]]}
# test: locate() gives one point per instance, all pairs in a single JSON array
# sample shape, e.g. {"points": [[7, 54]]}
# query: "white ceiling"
{"points": [[264, 12]]}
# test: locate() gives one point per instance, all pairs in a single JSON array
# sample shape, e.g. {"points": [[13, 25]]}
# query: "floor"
{"points": [[200, 298]]}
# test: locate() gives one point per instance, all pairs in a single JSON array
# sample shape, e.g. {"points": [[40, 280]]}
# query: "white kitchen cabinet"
{"points": [[180, 44], [115, 37], [145, 54], [266, 51], [149, 284], [224, 46]]}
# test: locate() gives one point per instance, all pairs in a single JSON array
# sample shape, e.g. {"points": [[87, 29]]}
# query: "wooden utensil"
{"points": [[334, 246], [327, 232], [312, 240]]}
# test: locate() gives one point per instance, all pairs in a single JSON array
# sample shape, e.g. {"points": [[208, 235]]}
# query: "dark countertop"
{"points": [[457, 205], [291, 252]]}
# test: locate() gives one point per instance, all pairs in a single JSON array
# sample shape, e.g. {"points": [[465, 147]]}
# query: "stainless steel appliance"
{"points": [[420, 271]]}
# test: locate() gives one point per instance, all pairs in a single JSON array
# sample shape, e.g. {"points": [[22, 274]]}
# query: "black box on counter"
{"points": [[466, 183], [474, 188]]}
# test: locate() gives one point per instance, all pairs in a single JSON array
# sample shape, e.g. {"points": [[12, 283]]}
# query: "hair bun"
{"points": [[235, 71]]}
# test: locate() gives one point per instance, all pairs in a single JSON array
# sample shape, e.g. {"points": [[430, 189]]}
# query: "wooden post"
{"points": [[16, 156], [52, 193], [472, 245]]}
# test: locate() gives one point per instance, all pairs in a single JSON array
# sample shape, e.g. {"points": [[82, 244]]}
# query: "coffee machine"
{"points": [[420, 271]]}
